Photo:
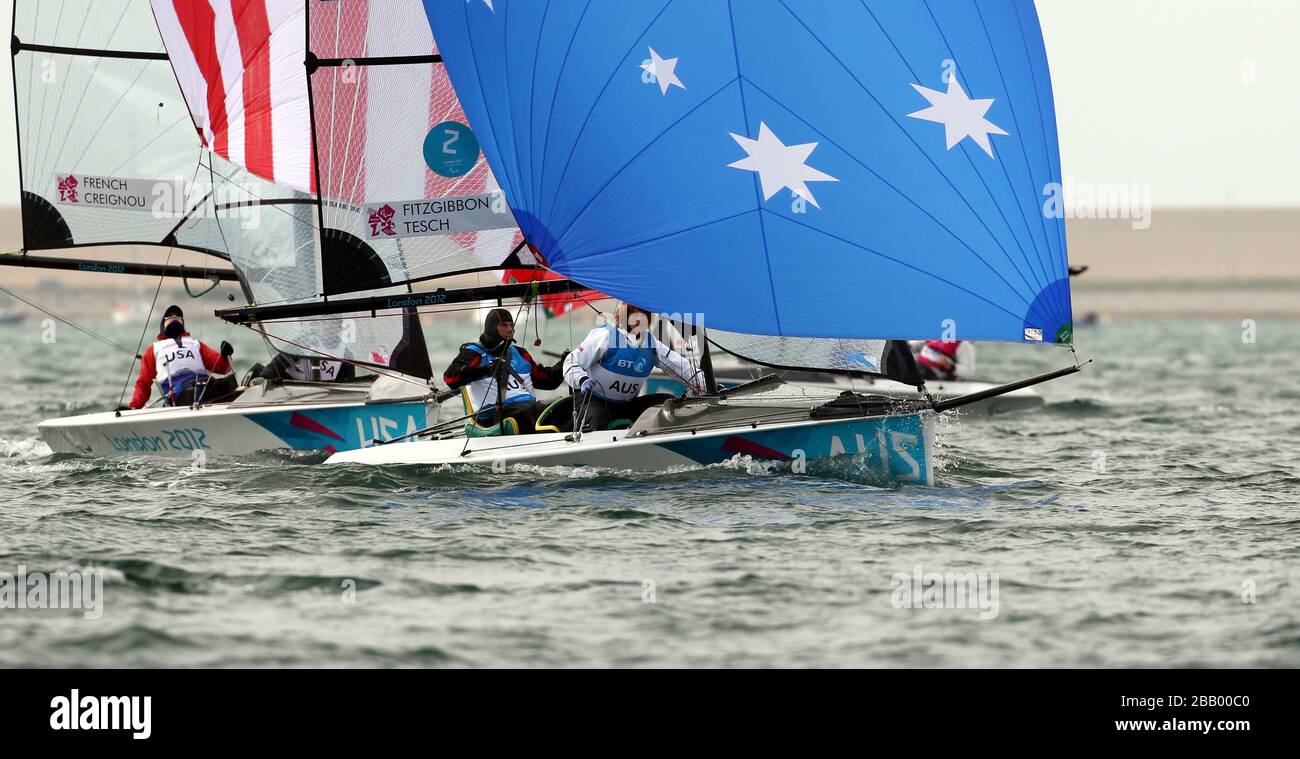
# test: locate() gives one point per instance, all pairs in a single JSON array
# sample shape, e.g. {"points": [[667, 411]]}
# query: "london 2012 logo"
{"points": [[68, 189], [381, 221], [451, 149]]}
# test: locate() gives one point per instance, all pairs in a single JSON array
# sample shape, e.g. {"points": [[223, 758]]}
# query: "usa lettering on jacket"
{"points": [[181, 364]]}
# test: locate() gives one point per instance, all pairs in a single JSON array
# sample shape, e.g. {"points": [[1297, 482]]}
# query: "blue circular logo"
{"points": [[451, 149]]}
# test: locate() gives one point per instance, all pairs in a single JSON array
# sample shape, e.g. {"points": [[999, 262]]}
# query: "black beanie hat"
{"points": [[172, 310]]}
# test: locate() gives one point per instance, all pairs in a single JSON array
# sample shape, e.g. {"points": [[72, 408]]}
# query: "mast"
{"points": [[14, 46], [309, 68]]}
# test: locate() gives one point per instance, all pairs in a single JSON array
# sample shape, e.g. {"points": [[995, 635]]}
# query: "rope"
{"points": [[580, 420], [154, 304], [569, 314], [186, 281], [127, 383]]}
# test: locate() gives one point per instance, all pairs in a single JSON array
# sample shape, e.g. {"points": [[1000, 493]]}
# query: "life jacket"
{"points": [[940, 355], [179, 366], [483, 391], [622, 370]]}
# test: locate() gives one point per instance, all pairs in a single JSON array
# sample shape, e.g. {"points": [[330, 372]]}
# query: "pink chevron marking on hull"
{"points": [[750, 448], [302, 421]]}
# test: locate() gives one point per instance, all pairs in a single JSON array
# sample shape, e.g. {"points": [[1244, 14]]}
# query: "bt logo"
{"points": [[638, 366]]}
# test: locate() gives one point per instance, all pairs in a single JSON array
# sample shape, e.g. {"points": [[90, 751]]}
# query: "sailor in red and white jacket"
{"points": [[179, 359], [946, 360]]}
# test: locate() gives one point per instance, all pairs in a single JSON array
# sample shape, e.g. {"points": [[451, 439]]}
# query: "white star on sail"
{"points": [[961, 117], [663, 70], [488, 3], [779, 165]]}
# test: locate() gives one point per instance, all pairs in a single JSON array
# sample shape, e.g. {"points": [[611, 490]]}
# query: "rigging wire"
{"points": [[70, 323], [144, 331], [154, 304]]}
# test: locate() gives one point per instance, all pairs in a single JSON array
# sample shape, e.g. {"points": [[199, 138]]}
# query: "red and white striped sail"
{"points": [[371, 121], [240, 64], [240, 68]]}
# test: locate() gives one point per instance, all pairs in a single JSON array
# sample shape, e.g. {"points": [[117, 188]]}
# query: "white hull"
{"points": [[329, 419], [893, 449]]}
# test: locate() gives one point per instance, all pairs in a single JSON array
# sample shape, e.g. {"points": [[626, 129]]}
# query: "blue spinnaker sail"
{"points": [[812, 168]]}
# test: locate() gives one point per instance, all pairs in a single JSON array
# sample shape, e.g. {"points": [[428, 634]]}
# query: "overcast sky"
{"points": [[1200, 99]]}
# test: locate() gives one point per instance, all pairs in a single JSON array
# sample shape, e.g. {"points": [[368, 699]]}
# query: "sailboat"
{"points": [[189, 126], [817, 180]]}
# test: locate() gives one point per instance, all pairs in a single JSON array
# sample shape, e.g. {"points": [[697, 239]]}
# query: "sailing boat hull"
{"points": [[232, 430], [894, 449]]}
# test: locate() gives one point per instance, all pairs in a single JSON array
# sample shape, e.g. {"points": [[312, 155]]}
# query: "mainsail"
{"points": [[361, 97], [842, 170], [106, 148]]}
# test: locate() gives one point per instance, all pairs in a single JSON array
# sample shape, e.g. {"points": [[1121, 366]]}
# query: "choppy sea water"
{"points": [[1146, 516]]}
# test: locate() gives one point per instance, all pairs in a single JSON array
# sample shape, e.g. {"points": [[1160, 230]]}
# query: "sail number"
{"points": [[451, 149], [899, 443]]}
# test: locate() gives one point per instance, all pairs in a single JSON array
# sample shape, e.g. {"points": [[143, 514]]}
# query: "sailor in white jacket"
{"points": [[612, 364]]}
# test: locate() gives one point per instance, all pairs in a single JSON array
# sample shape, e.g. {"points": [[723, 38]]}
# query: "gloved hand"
{"points": [[586, 385], [227, 350], [122, 408]]}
